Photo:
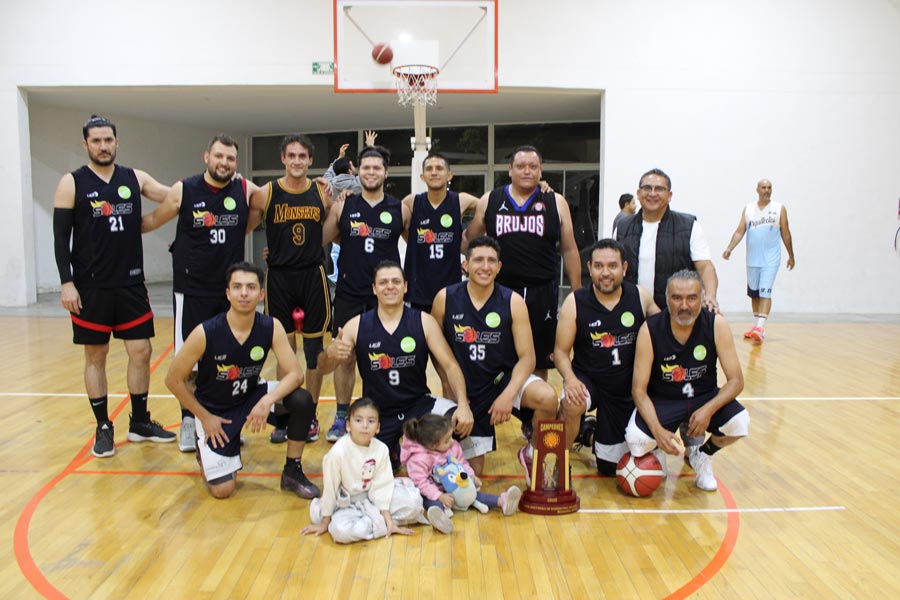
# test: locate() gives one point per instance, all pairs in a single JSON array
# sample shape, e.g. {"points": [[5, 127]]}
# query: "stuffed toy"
{"points": [[453, 477]]}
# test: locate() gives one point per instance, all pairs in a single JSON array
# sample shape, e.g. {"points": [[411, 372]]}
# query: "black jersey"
{"points": [[229, 371], [605, 340], [209, 237], [481, 339], [392, 366], [107, 251], [683, 371], [432, 250], [528, 236], [369, 235], [294, 226]]}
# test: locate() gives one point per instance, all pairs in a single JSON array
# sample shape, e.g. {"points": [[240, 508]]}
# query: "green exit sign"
{"points": [[323, 68]]}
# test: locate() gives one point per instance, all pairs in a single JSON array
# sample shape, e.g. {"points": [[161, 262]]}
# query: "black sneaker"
{"points": [[148, 431], [104, 445], [585, 438], [293, 479], [278, 436]]}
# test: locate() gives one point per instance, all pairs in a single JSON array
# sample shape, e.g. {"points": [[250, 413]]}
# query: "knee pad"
{"points": [[311, 349], [737, 426], [301, 409]]}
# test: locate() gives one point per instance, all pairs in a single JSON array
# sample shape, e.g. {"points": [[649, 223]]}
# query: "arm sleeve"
{"points": [[63, 220]]}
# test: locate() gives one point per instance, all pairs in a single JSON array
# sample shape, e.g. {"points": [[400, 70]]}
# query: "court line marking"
{"points": [[691, 511], [21, 543]]}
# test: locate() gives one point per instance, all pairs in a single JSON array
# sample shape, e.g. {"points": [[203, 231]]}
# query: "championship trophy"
{"points": [[551, 491]]}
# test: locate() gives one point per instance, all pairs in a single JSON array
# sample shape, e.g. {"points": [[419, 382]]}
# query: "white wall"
{"points": [[718, 94], [166, 152]]}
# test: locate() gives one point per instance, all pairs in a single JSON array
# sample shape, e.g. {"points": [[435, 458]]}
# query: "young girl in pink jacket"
{"points": [[427, 441]]}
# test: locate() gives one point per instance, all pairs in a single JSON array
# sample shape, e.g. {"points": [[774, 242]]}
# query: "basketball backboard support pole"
{"points": [[455, 40]]}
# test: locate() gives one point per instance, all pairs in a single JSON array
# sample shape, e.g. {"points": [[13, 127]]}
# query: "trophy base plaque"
{"points": [[550, 492]]}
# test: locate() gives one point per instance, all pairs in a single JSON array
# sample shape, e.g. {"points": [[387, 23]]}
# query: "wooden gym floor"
{"points": [[806, 508]]}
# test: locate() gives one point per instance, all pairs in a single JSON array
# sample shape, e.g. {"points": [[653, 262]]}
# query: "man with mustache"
{"points": [[102, 275], [212, 211], [675, 380], [600, 323]]}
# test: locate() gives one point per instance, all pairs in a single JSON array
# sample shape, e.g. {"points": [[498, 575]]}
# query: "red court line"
{"points": [[20, 538], [721, 557]]}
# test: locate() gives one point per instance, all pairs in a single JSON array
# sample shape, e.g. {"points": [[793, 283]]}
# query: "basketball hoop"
{"points": [[416, 84]]}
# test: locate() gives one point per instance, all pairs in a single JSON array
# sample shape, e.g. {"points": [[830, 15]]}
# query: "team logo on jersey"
{"points": [[102, 208], [204, 218], [503, 207], [533, 224], [446, 220], [677, 373], [627, 319], [538, 207], [257, 353], [492, 320], [362, 229], [124, 192], [408, 344], [700, 352], [385, 217], [229, 203], [608, 340], [232, 372], [468, 335], [427, 236], [382, 362]]}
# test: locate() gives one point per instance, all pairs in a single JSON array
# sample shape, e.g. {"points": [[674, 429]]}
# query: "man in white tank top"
{"points": [[766, 224]]}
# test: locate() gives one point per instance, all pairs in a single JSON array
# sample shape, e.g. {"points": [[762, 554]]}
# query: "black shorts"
{"points": [[287, 289], [612, 415], [391, 429], [347, 307], [190, 311], [543, 314], [671, 414], [124, 312]]}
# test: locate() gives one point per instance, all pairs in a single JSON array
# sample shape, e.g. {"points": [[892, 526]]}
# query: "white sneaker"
{"points": [[187, 436], [702, 464], [689, 453], [509, 501], [439, 520]]}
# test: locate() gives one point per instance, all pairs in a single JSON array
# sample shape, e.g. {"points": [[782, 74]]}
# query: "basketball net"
{"points": [[416, 84]]}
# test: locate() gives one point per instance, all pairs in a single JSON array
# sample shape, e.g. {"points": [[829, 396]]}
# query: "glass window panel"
{"points": [[557, 142], [397, 141], [461, 145]]}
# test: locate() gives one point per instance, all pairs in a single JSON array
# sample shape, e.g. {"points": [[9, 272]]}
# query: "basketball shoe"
{"points": [[313, 434], [439, 519], [293, 479], [104, 446], [187, 435], [148, 431], [337, 430], [278, 435], [757, 334], [525, 459], [585, 436], [702, 464]]}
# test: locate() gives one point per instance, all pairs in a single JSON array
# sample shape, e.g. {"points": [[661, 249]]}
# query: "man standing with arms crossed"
{"points": [[766, 224], [488, 330], [369, 226], [294, 209], [601, 324], [102, 276], [212, 210]]}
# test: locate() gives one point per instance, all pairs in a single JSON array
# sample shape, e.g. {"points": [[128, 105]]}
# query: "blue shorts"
{"points": [[760, 281]]}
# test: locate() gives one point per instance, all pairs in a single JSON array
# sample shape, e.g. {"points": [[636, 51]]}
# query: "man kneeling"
{"points": [[231, 349], [675, 380]]}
